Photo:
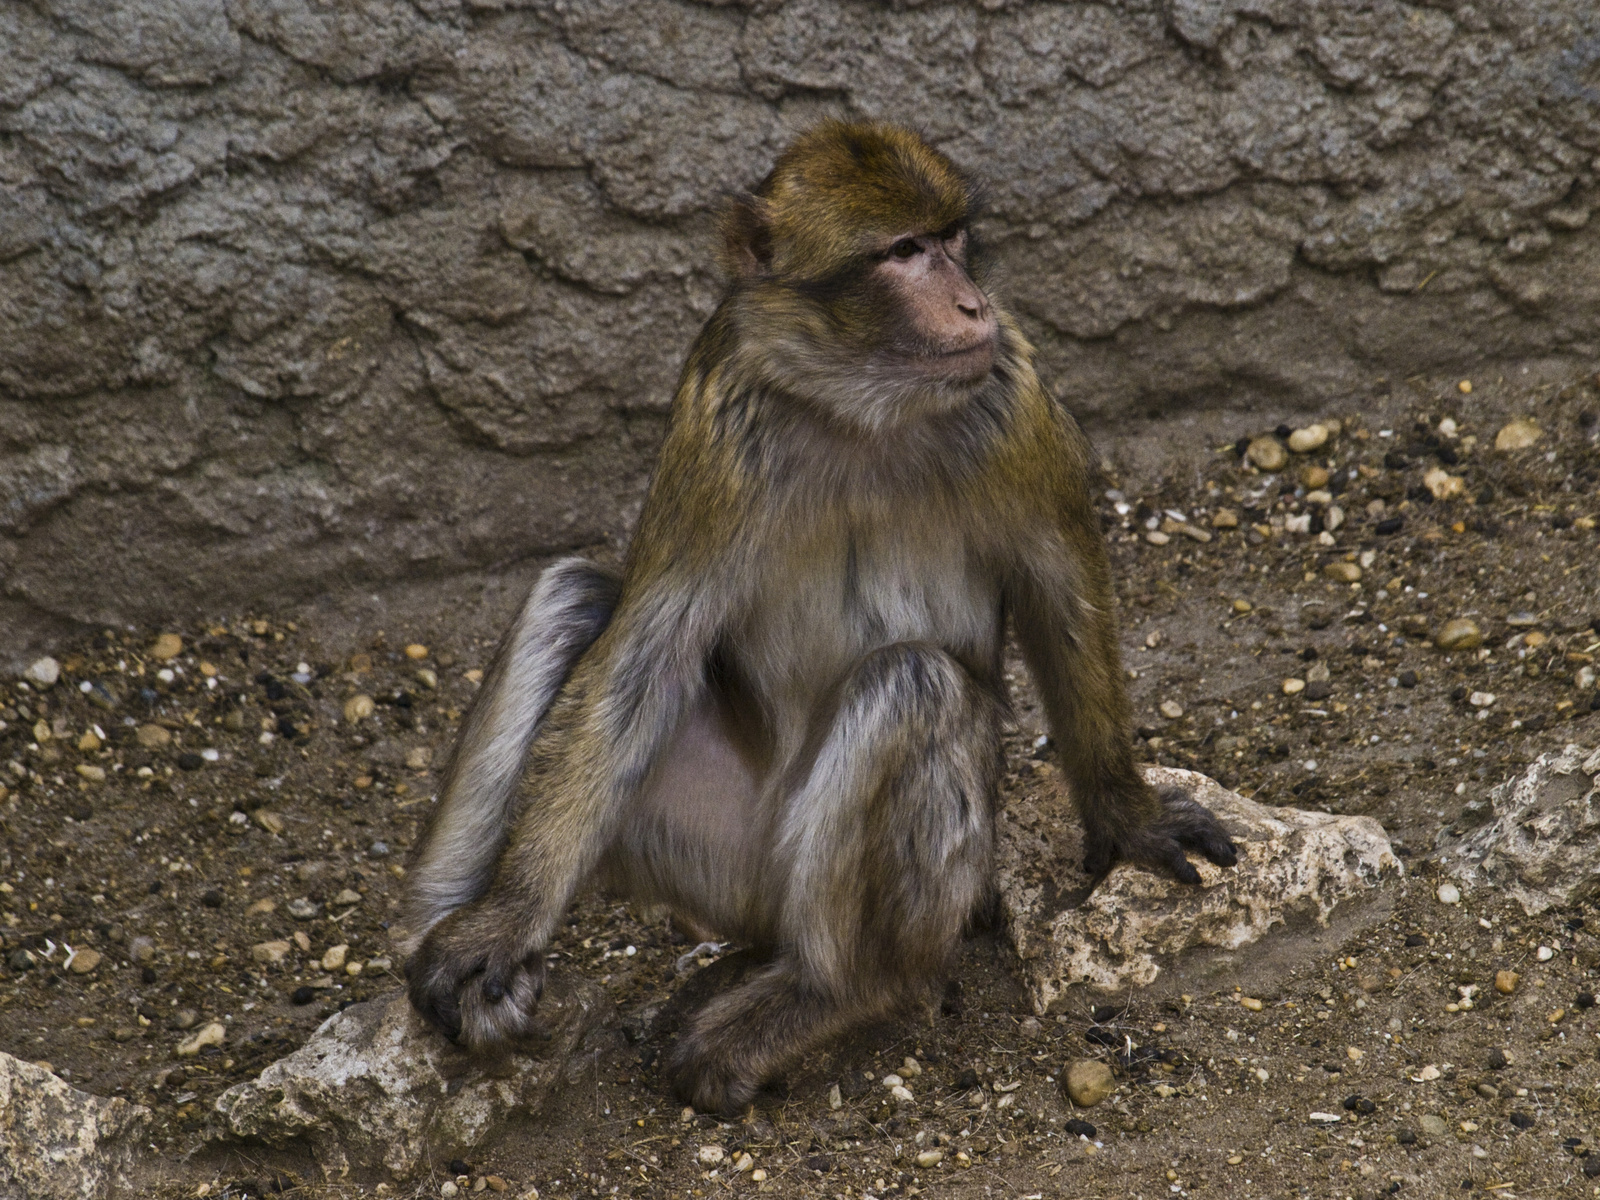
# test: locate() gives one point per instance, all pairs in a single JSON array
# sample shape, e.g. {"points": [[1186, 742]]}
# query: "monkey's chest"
{"points": [[829, 604]]}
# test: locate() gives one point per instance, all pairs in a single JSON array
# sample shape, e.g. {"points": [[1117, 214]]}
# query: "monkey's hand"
{"points": [[1181, 823], [465, 979]]}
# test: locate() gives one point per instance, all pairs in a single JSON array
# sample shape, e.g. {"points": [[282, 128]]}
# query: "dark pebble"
{"points": [[967, 1080], [212, 899], [820, 1163], [1447, 455], [1102, 1013], [1587, 419], [1406, 1137], [1591, 1167], [1408, 679], [1318, 689], [1083, 1129], [1415, 939], [82, 812], [1575, 924], [1396, 461], [1389, 525], [1522, 1120], [459, 1166], [1283, 432], [1309, 654], [303, 995], [147, 975], [1583, 1000], [1360, 1104], [1103, 1037], [190, 761], [1497, 1060]]}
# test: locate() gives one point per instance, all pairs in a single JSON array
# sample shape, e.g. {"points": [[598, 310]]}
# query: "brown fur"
{"points": [[786, 725]]}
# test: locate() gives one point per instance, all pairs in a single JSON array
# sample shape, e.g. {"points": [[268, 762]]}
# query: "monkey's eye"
{"points": [[905, 248]]}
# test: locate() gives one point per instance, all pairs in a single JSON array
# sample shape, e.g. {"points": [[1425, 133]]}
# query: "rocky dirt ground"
{"points": [[203, 830]]}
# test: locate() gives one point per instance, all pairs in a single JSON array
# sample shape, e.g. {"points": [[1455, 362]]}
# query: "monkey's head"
{"points": [[853, 274]]}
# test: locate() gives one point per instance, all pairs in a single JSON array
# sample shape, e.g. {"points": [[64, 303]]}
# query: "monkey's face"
{"points": [[942, 328]]}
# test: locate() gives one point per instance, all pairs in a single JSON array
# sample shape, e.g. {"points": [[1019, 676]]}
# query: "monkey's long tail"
{"points": [[568, 608]]}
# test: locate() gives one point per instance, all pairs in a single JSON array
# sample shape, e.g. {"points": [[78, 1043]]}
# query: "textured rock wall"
{"points": [[304, 295]]}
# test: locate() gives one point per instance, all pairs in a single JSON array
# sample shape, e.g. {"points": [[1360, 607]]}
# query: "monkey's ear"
{"points": [[746, 238]]}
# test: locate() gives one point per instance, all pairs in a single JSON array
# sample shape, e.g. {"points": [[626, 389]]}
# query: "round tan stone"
{"points": [[1459, 633], [1088, 1082], [1267, 453]]}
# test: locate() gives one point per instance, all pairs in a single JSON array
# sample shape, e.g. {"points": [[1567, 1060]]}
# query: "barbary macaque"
{"points": [[782, 721]]}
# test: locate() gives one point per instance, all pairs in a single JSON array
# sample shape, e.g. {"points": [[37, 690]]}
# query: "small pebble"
{"points": [[1342, 572], [43, 672], [1171, 709], [152, 737], [1433, 1126], [165, 647], [1088, 1081], [85, 961], [1267, 453], [1518, 435], [930, 1158], [1444, 485], [1449, 893], [268, 820], [710, 1156], [1251, 1003], [416, 651], [1505, 982], [1546, 954], [213, 1033], [1482, 699], [91, 772], [1224, 518], [302, 909], [448, 1188], [333, 958], [1459, 633], [1293, 687], [1080, 1128], [358, 708], [418, 758], [1312, 437], [1242, 606], [271, 953], [1156, 538]]}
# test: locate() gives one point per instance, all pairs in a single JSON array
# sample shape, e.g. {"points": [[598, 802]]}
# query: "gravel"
{"points": [[280, 828]]}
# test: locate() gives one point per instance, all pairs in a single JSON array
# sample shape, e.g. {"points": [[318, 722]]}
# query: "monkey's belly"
{"points": [[700, 833]]}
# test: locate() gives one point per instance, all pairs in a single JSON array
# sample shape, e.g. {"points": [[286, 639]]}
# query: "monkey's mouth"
{"points": [[962, 362]]}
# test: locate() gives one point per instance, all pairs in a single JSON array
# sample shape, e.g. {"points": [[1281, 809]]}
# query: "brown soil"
{"points": [[185, 851]]}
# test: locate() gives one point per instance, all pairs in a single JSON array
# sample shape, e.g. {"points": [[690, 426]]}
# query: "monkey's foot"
{"points": [[711, 1080], [1182, 824], [459, 984]]}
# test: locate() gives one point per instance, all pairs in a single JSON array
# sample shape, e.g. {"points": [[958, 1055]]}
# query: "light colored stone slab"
{"points": [[378, 1090], [1295, 868], [1542, 841], [57, 1143]]}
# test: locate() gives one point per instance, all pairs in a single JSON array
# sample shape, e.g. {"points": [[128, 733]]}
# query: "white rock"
{"points": [[902, 1093], [1449, 894], [710, 1156], [1539, 843], [43, 672], [1293, 866], [212, 1033], [377, 1089], [1546, 954], [57, 1143]]}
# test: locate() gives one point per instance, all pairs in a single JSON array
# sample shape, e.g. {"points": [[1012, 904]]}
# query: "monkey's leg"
{"points": [[885, 848], [455, 859]]}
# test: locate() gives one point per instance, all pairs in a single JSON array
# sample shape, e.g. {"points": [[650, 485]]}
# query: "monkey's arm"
{"points": [[479, 971], [1062, 605]]}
